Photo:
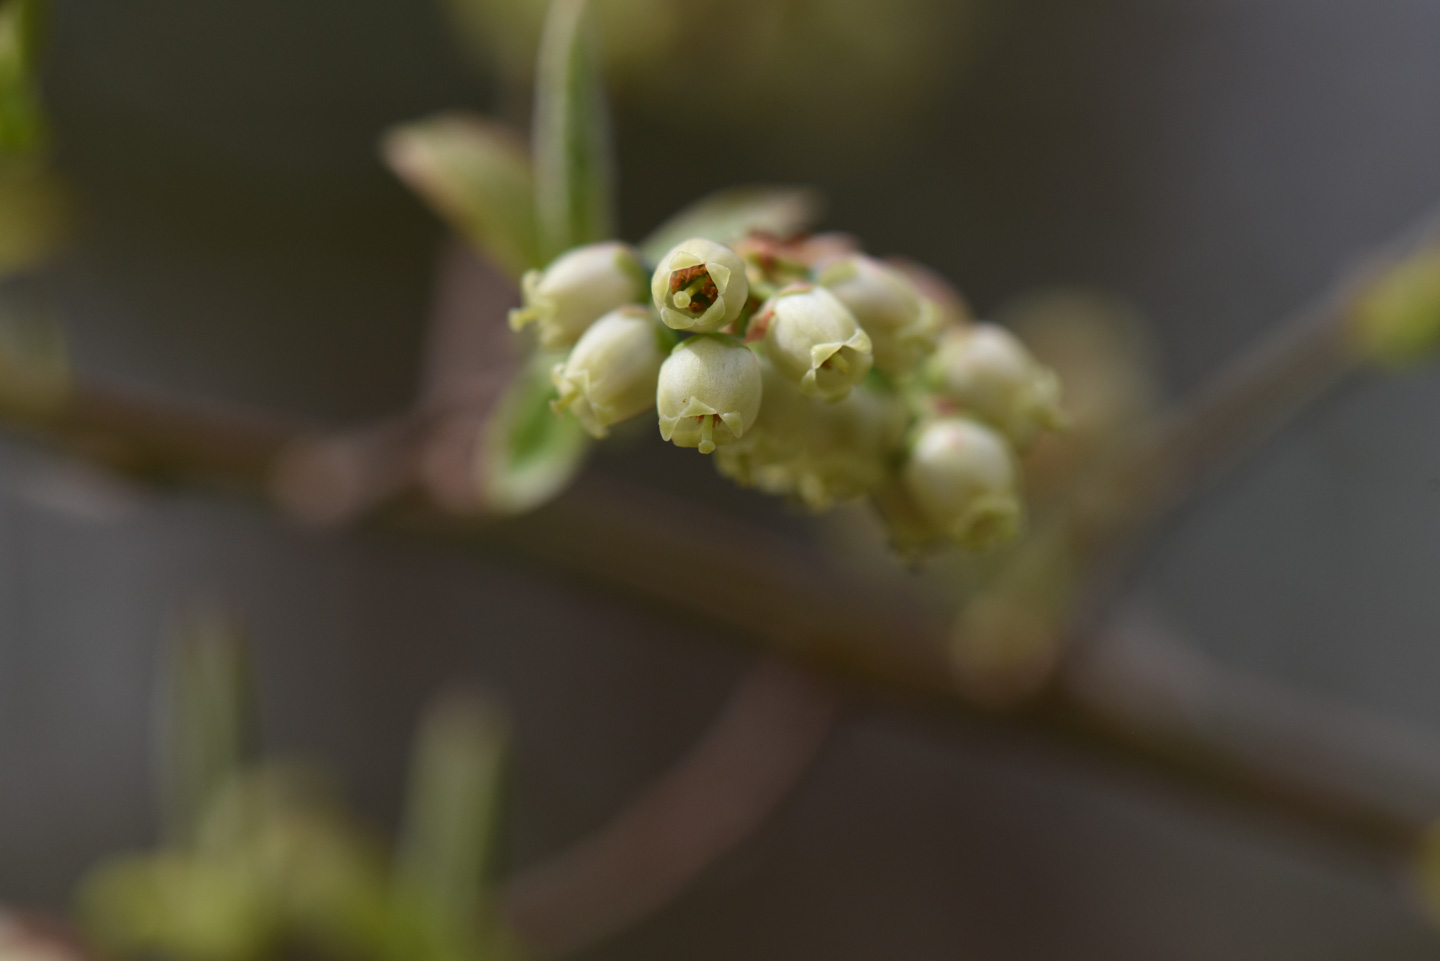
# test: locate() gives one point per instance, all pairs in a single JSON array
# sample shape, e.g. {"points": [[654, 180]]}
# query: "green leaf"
{"points": [[575, 191], [22, 123], [450, 818], [529, 454], [728, 215], [208, 722], [476, 175]]}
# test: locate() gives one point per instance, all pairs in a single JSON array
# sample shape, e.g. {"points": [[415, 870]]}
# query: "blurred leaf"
{"points": [[476, 175], [729, 215], [450, 819], [22, 124], [34, 214], [528, 455], [179, 906], [208, 728], [34, 357], [326, 875], [453, 801], [1397, 320], [575, 191]]}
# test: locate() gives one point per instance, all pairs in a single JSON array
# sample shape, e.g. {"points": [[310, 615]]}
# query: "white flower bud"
{"points": [[902, 324], [989, 373], [611, 372], [812, 339], [578, 288], [962, 478], [700, 286], [817, 452], [709, 392]]}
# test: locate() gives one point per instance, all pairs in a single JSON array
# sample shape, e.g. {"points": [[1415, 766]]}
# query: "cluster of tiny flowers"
{"points": [[809, 370]]}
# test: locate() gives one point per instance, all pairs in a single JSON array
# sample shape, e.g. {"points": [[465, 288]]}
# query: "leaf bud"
{"points": [[1397, 321]]}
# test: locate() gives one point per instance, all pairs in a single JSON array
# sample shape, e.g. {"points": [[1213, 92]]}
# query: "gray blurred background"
{"points": [[1215, 161]]}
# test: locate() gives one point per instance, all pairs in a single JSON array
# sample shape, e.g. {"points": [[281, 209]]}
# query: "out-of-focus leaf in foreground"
{"points": [[22, 124], [444, 852], [207, 724]]}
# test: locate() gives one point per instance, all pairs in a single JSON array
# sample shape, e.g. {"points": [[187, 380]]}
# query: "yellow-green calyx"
{"points": [[708, 393], [700, 286], [576, 289], [814, 341], [611, 373]]}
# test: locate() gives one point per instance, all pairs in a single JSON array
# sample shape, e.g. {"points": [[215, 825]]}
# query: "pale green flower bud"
{"points": [[709, 392], [903, 325], [700, 286], [819, 453], [611, 372], [578, 287], [812, 339], [963, 479], [991, 375]]}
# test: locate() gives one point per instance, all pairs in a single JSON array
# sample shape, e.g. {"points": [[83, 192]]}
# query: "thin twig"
{"points": [[784, 601], [720, 793]]}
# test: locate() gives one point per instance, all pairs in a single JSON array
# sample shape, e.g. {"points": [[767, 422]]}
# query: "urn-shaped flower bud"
{"points": [[989, 373], [816, 452], [813, 340], [578, 287], [709, 392], [611, 372], [962, 478], [700, 286], [902, 324]]}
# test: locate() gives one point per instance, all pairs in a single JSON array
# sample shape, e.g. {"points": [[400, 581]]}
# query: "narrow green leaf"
{"points": [[728, 215], [22, 123], [450, 819], [35, 376], [575, 192], [208, 726], [476, 175], [529, 454]]}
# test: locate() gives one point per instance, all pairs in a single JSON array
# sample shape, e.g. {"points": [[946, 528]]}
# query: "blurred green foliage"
{"points": [[265, 859]]}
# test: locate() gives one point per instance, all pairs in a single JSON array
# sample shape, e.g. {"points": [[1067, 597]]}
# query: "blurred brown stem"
{"points": [[724, 789]]}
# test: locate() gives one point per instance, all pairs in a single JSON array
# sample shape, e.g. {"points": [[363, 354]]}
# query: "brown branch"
{"points": [[720, 793], [786, 602], [1205, 737], [1308, 353]]}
